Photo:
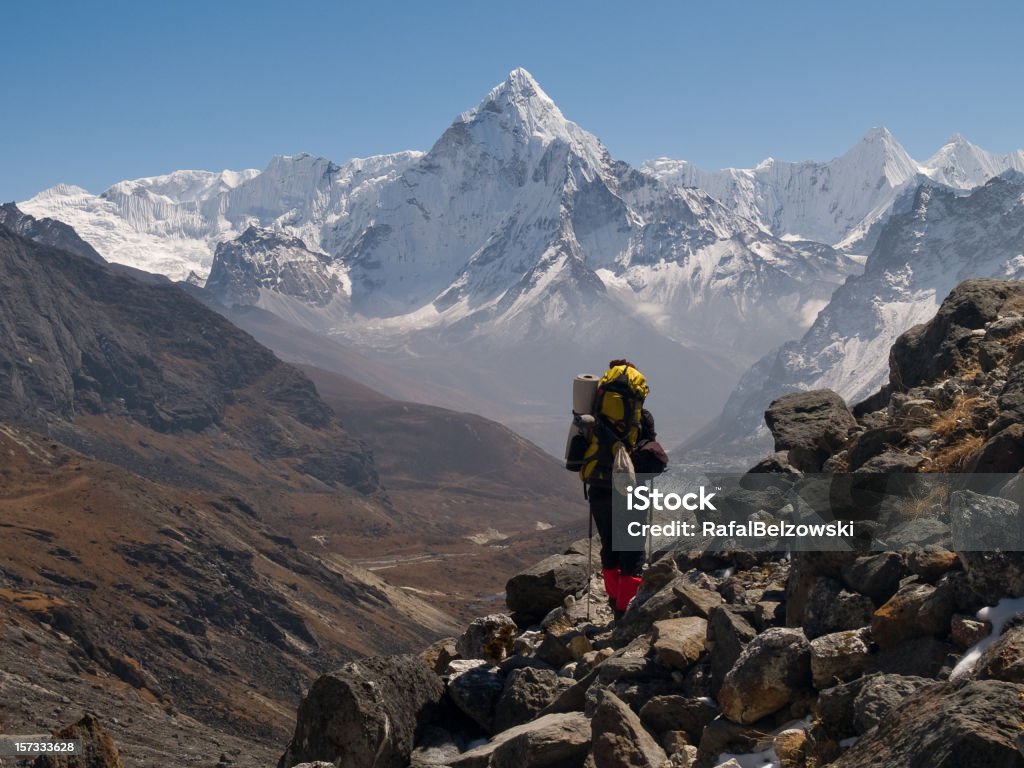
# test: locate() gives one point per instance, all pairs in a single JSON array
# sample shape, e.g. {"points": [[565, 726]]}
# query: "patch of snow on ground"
{"points": [[999, 615]]}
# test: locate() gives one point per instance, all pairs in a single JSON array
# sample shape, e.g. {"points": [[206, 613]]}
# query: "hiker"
{"points": [[620, 423]]}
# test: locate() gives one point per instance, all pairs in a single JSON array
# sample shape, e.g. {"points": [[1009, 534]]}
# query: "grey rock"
{"points": [[877, 576], [476, 693], [811, 426], [368, 713], [992, 576], [664, 714], [830, 608], [839, 656], [532, 593], [728, 634], [980, 522], [879, 695]]}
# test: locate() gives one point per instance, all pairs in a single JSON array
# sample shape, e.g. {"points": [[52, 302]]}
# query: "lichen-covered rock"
{"points": [[943, 726], [489, 637], [772, 670], [678, 643], [840, 656], [980, 522], [916, 610]]}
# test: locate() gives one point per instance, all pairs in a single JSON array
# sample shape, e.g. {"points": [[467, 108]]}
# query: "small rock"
{"points": [[966, 631], [840, 656], [932, 562], [789, 746], [877, 576], [527, 691]]}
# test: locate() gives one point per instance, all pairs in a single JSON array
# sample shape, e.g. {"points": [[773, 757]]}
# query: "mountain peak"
{"points": [[878, 133]]}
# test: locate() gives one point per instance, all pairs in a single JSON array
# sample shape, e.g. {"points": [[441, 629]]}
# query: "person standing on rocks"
{"points": [[622, 440]]}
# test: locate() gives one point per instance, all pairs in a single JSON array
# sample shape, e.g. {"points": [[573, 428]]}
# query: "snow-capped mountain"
{"points": [[920, 256], [171, 224], [839, 201], [269, 269], [517, 230]]}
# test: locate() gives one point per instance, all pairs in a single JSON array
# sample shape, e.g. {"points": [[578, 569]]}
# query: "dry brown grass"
{"points": [[915, 507], [958, 416], [953, 457]]}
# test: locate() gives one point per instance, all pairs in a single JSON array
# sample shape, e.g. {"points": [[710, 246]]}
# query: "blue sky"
{"points": [[97, 92]]}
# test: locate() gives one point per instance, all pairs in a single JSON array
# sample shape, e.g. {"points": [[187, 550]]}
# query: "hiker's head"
{"points": [[614, 363]]}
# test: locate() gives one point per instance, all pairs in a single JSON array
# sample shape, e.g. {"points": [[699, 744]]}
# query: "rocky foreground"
{"points": [[911, 656]]}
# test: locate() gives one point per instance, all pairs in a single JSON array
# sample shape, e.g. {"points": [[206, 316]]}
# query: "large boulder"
{"points": [[620, 739], [533, 593], [811, 426], [929, 352], [980, 522], [98, 749], [974, 726], [368, 713], [992, 576], [552, 741], [770, 673], [830, 608]]}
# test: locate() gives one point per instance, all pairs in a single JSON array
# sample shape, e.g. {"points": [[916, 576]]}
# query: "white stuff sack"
{"points": [[623, 474]]}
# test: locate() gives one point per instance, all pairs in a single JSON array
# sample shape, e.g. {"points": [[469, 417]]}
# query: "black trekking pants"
{"points": [[630, 563]]}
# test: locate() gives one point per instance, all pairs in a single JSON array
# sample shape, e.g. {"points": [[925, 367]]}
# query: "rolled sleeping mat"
{"points": [[583, 388]]}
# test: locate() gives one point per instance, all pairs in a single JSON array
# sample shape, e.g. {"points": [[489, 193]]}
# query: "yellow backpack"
{"points": [[618, 403]]}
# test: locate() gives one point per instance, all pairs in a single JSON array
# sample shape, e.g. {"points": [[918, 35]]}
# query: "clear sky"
{"points": [[97, 91]]}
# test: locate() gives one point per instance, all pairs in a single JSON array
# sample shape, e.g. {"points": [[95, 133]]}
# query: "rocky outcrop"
{"points": [[98, 749], [368, 713]]}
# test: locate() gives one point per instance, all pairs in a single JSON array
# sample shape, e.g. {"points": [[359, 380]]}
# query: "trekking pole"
{"points": [[590, 560]]}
